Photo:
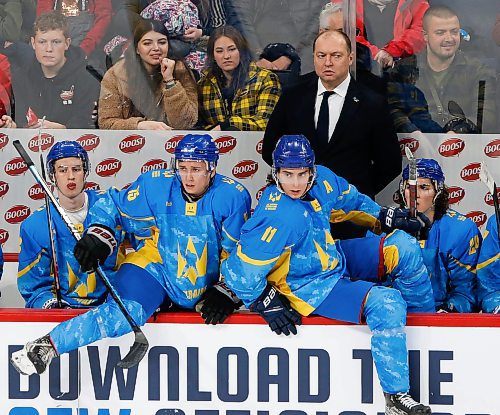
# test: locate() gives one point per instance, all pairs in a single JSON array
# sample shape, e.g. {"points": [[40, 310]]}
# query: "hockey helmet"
{"points": [[427, 169], [293, 152], [64, 149], [197, 147]]}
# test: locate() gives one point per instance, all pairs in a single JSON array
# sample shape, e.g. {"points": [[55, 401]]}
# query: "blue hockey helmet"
{"points": [[293, 152], [426, 169], [64, 149], [197, 147]]}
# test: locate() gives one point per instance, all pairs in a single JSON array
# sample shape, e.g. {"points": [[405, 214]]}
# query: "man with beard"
{"points": [[446, 76]]}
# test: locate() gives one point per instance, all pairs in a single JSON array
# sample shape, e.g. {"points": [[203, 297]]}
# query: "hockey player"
{"points": [[287, 264], [451, 246], [488, 270], [195, 216], [68, 166]]}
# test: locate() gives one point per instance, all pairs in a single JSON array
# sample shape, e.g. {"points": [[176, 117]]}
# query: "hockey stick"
{"points": [[412, 182], [52, 233], [141, 345], [488, 180]]}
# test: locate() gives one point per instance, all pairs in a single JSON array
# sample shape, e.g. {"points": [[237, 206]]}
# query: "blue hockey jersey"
{"points": [[450, 255], [288, 242], [188, 239], [488, 270], [35, 280]]}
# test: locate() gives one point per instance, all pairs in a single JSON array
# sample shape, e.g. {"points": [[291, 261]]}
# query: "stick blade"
{"points": [[408, 153], [486, 177], [136, 353]]}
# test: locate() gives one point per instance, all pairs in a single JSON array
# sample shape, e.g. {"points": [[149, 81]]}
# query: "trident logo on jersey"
{"points": [[191, 265], [326, 260]]}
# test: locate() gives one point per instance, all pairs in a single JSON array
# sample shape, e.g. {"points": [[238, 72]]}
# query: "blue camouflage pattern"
{"points": [[488, 270], [35, 280]]}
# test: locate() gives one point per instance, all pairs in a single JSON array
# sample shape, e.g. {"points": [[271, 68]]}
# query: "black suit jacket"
{"points": [[364, 147]]}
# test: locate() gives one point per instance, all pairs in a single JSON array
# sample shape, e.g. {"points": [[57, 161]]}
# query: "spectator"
{"points": [[488, 269], [5, 87], [355, 138], [496, 30], [450, 246], [87, 20], [56, 84], [234, 92], [147, 90], [68, 166], [390, 28], [11, 20], [457, 88]]}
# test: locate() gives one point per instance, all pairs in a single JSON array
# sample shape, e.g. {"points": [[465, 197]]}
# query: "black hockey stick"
{"points": [[52, 233], [412, 182], [488, 180], [141, 345]]}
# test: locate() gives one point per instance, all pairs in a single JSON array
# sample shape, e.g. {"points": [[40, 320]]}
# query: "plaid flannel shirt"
{"points": [[251, 107]]}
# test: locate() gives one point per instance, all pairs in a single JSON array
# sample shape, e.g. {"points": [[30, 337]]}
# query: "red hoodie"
{"points": [[5, 86]]}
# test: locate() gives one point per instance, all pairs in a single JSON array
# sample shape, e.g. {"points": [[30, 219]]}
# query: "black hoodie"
{"points": [[69, 98]]}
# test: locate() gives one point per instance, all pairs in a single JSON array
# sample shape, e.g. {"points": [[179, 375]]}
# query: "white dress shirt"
{"points": [[335, 103]]}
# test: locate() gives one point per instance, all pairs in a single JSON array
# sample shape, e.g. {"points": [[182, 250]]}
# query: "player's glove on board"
{"points": [[94, 247], [276, 310], [396, 218], [218, 303]]}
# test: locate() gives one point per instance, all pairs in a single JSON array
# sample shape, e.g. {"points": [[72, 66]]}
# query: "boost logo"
{"points": [[4, 236], [16, 214], [245, 169], [4, 140], [89, 141], [492, 149], [132, 143], [451, 147], [35, 192], [456, 194], [15, 167], [155, 164], [172, 143], [488, 198], [92, 186], [258, 147], [4, 188], [45, 142], [225, 144], [108, 167], [470, 173], [410, 142], [478, 217]]}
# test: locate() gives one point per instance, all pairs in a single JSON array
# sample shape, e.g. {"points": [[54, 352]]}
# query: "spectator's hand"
{"points": [[216, 128], [47, 124], [264, 64], [384, 59], [282, 63], [192, 34], [167, 69], [153, 125], [7, 122]]}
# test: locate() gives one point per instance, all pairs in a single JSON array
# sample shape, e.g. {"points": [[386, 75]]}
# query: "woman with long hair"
{"points": [[147, 90], [234, 92]]}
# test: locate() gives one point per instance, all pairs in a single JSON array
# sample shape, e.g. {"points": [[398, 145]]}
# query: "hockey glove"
{"points": [[94, 247], [276, 310], [218, 303], [446, 308], [395, 218], [52, 303]]}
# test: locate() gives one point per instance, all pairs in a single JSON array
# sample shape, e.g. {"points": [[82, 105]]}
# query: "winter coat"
{"points": [[69, 98], [118, 112]]}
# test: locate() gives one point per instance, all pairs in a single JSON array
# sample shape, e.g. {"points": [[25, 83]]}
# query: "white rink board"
{"points": [[223, 370]]}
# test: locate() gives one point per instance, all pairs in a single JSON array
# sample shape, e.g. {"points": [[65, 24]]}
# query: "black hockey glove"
{"points": [[52, 303], [395, 218], [275, 309], [218, 303], [447, 308], [94, 247]]}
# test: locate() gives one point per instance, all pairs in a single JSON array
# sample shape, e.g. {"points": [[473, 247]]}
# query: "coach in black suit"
{"points": [[352, 135]]}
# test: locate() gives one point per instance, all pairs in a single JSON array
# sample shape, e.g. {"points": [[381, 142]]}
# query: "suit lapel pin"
{"points": [[355, 99]]}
